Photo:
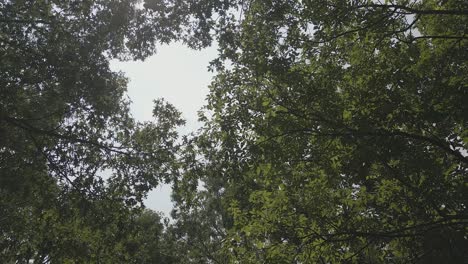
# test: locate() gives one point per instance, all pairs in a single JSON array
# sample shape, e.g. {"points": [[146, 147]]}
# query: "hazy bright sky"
{"points": [[177, 74]]}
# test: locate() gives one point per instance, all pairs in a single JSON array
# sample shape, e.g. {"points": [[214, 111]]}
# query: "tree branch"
{"points": [[25, 21], [24, 125], [439, 37], [412, 10]]}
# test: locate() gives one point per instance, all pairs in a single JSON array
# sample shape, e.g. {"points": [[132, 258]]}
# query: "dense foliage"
{"points": [[74, 165], [334, 132]]}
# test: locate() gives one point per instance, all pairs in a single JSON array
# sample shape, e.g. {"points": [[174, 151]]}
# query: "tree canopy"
{"points": [[334, 132], [74, 165]]}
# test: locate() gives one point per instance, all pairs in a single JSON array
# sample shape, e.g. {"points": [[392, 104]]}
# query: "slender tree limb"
{"points": [[21, 124], [25, 21], [412, 10], [439, 37]]}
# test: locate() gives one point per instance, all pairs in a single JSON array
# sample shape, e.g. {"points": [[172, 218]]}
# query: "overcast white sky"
{"points": [[179, 75]]}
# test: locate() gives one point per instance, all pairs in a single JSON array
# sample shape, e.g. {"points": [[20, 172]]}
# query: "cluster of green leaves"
{"points": [[335, 131], [74, 165]]}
